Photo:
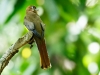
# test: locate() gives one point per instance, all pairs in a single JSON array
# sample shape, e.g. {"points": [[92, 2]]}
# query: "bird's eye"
{"points": [[33, 7]]}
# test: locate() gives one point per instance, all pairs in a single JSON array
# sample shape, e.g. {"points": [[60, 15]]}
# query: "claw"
{"points": [[31, 45]]}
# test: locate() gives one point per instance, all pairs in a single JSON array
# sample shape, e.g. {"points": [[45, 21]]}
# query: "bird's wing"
{"points": [[42, 26], [31, 27]]}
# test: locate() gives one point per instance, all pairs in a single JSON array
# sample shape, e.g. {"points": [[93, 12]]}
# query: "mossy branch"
{"points": [[6, 57]]}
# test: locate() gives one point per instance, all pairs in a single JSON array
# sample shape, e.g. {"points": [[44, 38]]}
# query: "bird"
{"points": [[33, 23]]}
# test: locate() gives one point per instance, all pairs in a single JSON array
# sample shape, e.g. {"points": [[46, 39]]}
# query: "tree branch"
{"points": [[4, 60]]}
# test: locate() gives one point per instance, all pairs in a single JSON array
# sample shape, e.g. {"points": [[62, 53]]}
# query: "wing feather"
{"points": [[29, 25]]}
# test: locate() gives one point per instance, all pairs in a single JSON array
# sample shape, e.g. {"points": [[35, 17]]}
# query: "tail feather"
{"points": [[45, 62]]}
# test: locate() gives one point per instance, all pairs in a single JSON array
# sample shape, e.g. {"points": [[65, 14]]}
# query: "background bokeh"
{"points": [[72, 36]]}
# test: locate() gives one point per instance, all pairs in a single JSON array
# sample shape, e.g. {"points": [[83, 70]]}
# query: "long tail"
{"points": [[45, 62]]}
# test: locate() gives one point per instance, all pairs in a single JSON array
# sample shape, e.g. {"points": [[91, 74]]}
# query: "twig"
{"points": [[4, 60]]}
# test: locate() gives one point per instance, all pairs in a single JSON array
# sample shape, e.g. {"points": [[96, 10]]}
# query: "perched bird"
{"points": [[33, 23]]}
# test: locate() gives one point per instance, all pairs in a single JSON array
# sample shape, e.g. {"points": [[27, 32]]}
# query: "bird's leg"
{"points": [[31, 41], [31, 45]]}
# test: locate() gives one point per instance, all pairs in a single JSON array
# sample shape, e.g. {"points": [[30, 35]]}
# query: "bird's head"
{"points": [[31, 9]]}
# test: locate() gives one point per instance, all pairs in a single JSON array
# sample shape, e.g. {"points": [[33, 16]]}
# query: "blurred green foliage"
{"points": [[72, 36]]}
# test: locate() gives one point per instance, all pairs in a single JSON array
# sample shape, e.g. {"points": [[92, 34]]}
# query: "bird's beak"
{"points": [[34, 10]]}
